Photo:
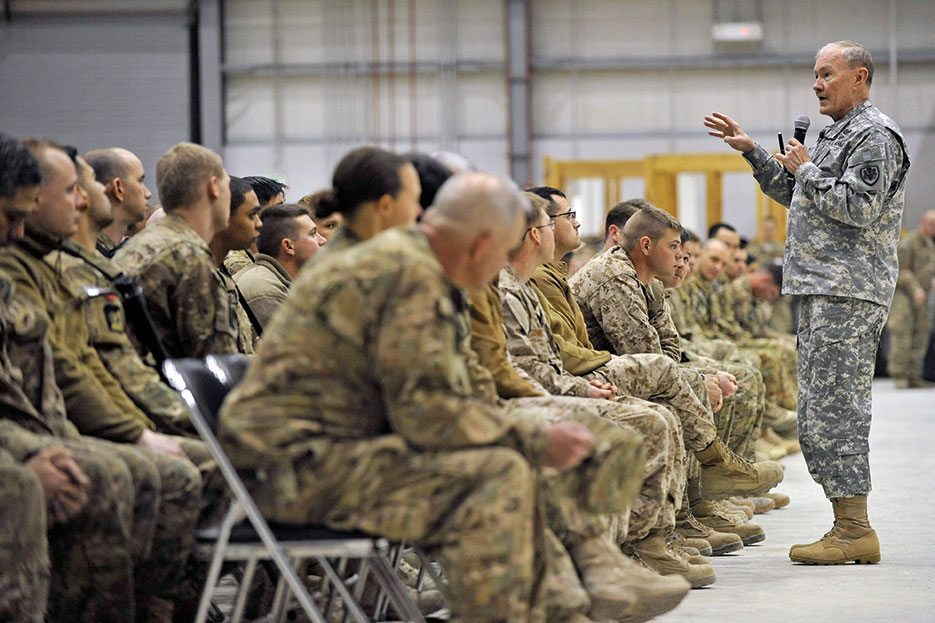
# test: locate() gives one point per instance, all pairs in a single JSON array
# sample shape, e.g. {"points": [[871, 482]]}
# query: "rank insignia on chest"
{"points": [[870, 174]]}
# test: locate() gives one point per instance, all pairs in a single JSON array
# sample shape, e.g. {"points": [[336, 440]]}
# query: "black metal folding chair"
{"points": [[203, 385]]}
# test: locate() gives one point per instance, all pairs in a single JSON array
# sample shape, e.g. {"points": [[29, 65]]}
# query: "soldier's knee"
{"points": [[508, 466], [21, 490]]}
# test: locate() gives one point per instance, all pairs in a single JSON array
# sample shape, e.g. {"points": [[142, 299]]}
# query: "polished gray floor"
{"points": [[761, 585]]}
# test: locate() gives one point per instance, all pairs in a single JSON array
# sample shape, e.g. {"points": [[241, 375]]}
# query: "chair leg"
{"points": [[234, 515], [244, 589], [348, 599], [396, 592]]}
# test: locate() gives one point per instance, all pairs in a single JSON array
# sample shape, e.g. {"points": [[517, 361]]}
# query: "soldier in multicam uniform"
{"points": [[910, 321], [269, 193], [845, 209], [88, 488], [194, 310], [94, 400], [425, 456]]}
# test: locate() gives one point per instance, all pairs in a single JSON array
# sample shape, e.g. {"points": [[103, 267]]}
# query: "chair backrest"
{"points": [[198, 384], [229, 367]]}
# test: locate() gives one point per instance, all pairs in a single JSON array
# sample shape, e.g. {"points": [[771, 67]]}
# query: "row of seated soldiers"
{"points": [[367, 405]]}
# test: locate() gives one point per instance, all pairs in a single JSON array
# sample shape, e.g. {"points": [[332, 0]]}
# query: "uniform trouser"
{"points": [[479, 509], [838, 339], [659, 379], [778, 364], [741, 417], [166, 507], [93, 554], [24, 553], [663, 473], [909, 326]]}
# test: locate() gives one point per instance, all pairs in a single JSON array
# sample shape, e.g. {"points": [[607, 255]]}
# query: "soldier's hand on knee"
{"points": [[63, 483], [568, 444], [160, 443], [715, 397], [602, 390], [727, 382]]}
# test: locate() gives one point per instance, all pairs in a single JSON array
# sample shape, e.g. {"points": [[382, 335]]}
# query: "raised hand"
{"points": [[723, 127]]}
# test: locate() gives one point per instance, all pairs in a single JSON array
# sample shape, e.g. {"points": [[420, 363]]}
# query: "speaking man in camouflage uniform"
{"points": [[910, 321], [194, 312], [423, 456], [845, 208]]}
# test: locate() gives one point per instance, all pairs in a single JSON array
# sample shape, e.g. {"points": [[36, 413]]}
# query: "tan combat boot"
{"points": [[721, 542], [648, 593], [708, 514], [850, 539], [781, 499], [735, 506], [724, 473], [654, 552]]}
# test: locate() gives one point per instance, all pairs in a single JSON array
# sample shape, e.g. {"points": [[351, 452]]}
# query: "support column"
{"points": [[519, 105], [207, 93]]}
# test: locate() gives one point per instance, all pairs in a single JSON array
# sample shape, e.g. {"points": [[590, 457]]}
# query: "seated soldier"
{"points": [[194, 312], [624, 310], [289, 237], [115, 487], [122, 174], [324, 211], [241, 233], [269, 192]]}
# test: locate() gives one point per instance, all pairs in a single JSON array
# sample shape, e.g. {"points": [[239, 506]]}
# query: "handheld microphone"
{"points": [[801, 124]]}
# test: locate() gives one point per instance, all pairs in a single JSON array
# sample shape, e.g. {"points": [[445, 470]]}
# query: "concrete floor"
{"points": [[761, 585]]}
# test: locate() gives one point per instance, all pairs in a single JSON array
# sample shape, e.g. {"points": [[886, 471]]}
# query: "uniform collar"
{"points": [[833, 130]]}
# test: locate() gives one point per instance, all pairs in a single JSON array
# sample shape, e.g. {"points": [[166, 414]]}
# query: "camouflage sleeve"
{"points": [[722, 310], [660, 318], [619, 306], [190, 305], [518, 322], [425, 380], [489, 342], [859, 196], [22, 444], [906, 281], [771, 175]]}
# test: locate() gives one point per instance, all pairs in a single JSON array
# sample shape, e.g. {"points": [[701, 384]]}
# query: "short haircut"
{"points": [[855, 54], [321, 204], [685, 237], [538, 206], [714, 229], [432, 174], [693, 236], [181, 173], [265, 187], [365, 174], [107, 163], [36, 146], [621, 213], [239, 189], [547, 192], [651, 222], [744, 242], [18, 168], [278, 224]]}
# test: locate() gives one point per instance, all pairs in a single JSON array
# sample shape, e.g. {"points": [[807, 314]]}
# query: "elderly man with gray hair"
{"points": [[845, 201]]}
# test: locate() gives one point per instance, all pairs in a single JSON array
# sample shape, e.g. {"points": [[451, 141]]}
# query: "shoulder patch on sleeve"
{"points": [[870, 174]]}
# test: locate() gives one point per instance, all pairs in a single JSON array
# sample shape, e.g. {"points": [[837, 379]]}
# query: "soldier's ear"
{"points": [[115, 188], [861, 76], [287, 247]]}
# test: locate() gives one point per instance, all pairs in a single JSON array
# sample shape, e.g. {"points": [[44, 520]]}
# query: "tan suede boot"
{"points": [[781, 499], [851, 539], [724, 473], [721, 542], [708, 514], [655, 553]]}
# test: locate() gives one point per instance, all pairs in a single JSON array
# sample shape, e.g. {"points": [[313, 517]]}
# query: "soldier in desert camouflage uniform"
{"points": [[910, 318], [845, 208]]}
